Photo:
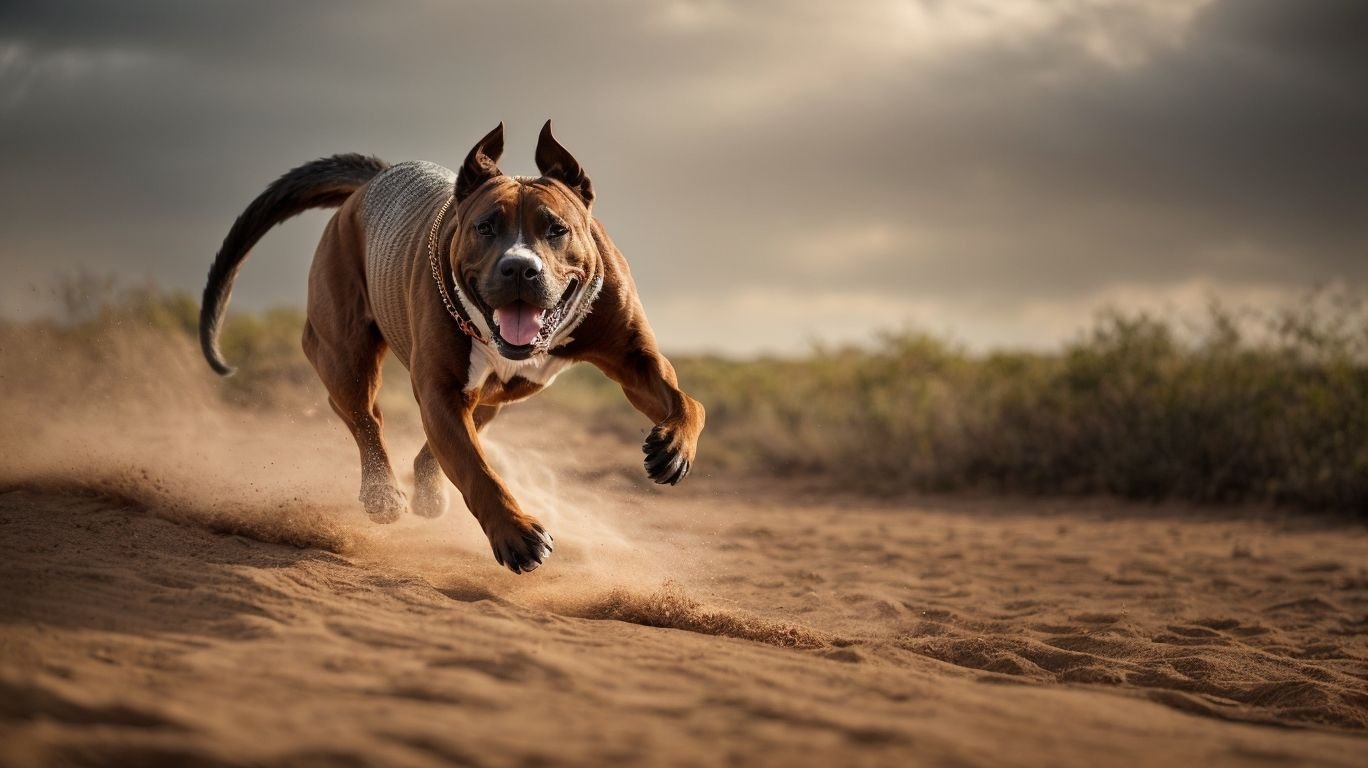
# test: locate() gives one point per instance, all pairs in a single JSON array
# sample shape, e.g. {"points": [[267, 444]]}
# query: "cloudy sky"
{"points": [[775, 171]]}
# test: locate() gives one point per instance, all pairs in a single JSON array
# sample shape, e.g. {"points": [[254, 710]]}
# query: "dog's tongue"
{"points": [[519, 322]]}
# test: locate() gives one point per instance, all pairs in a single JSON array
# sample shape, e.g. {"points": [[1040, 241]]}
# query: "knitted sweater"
{"points": [[397, 211]]}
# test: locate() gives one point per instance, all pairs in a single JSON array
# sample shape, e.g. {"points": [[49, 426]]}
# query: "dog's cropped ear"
{"points": [[481, 164], [555, 162]]}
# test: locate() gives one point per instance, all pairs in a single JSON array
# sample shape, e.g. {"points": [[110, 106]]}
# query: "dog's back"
{"points": [[396, 210]]}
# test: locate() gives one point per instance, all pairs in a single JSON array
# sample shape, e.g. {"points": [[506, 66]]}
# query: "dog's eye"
{"points": [[558, 230], [484, 229]]}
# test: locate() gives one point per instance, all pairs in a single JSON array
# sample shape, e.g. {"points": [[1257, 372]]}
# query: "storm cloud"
{"points": [[774, 171]]}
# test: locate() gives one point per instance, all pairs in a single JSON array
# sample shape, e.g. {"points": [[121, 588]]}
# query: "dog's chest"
{"points": [[499, 379]]}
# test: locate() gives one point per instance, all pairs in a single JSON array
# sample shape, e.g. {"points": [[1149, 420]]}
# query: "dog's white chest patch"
{"points": [[485, 361]]}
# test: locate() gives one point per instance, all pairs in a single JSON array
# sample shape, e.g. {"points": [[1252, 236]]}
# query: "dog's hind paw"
{"points": [[665, 460], [428, 502], [384, 503], [522, 550]]}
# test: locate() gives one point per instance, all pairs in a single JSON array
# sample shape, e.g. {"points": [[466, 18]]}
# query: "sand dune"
{"points": [[183, 585]]}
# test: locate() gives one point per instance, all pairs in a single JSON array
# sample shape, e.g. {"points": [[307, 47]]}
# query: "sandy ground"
{"points": [[183, 585]]}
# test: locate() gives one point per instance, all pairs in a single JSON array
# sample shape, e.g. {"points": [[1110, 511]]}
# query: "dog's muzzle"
{"points": [[522, 329]]}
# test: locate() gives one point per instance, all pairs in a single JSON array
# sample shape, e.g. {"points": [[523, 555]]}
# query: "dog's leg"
{"points": [[648, 379], [485, 414], [350, 367], [429, 485], [517, 539]]}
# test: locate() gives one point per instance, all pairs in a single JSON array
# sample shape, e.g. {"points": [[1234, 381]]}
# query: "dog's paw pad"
{"points": [[665, 460], [524, 551], [384, 504]]}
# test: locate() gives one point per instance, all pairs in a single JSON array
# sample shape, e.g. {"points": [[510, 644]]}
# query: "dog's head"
{"points": [[523, 253]]}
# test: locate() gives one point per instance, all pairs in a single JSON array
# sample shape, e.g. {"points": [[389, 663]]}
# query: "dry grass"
{"points": [[1247, 406], [1240, 406]]}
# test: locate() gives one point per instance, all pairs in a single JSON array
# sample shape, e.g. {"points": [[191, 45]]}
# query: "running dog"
{"points": [[486, 286]]}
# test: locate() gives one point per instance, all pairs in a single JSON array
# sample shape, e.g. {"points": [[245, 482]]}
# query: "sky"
{"points": [[775, 172]]}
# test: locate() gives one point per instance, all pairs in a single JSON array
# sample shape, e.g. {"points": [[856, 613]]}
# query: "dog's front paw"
{"points": [[521, 546], [384, 503], [668, 456]]}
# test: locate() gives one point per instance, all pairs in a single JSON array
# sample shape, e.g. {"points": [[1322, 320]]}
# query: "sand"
{"points": [[182, 584]]}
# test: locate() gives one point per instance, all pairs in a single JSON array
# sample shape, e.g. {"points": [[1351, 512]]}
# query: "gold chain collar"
{"points": [[467, 327]]}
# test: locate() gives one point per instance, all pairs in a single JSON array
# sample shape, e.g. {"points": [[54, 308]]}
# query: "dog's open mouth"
{"points": [[522, 329]]}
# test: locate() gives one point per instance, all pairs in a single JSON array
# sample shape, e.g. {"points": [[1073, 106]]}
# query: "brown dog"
{"points": [[485, 286]]}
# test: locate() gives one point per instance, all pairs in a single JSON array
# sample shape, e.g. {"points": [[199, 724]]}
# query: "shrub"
{"points": [[1241, 406]]}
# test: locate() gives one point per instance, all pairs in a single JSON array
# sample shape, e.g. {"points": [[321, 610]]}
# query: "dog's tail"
{"points": [[324, 183]]}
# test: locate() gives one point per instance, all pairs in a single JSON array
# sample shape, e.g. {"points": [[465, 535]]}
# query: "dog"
{"points": [[485, 286]]}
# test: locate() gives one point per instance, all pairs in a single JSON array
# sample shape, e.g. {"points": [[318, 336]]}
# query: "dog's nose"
{"points": [[524, 265]]}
